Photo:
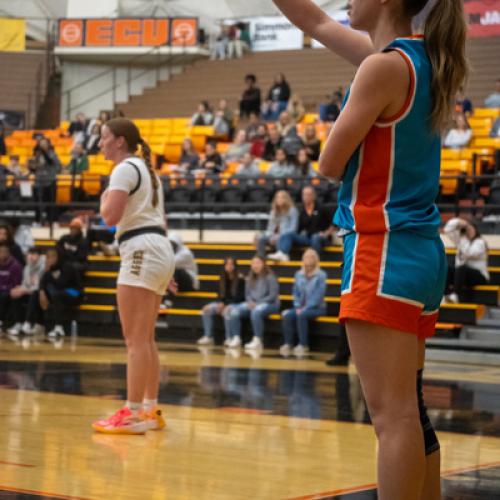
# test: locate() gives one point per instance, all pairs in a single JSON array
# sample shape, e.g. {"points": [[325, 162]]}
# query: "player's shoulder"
{"points": [[383, 66]]}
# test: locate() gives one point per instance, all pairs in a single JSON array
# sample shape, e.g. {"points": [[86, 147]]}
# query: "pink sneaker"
{"points": [[122, 422]]}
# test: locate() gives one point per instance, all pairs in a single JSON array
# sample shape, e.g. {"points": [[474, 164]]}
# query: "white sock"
{"points": [[135, 408], [149, 404]]}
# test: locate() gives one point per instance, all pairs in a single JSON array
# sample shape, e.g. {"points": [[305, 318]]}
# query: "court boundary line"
{"points": [[4, 462], [59, 496]]}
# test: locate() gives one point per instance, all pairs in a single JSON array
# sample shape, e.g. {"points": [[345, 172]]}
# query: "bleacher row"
{"points": [[165, 135], [99, 308]]}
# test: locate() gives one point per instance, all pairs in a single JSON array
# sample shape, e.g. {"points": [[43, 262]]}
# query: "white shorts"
{"points": [[147, 261]]}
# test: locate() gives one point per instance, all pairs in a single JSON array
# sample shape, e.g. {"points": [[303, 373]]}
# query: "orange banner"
{"points": [[128, 32]]}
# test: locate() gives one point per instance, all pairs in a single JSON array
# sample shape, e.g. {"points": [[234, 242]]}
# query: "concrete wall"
{"points": [[98, 93]]}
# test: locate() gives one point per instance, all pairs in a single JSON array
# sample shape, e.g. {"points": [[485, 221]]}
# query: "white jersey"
{"points": [[132, 176]]}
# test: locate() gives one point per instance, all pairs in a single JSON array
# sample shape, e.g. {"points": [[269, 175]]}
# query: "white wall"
{"points": [[98, 92], [92, 8]]}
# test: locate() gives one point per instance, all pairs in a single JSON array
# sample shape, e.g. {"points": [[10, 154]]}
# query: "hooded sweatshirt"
{"points": [[184, 259], [11, 273]]}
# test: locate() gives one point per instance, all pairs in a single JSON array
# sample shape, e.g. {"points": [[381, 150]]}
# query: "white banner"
{"points": [[274, 33], [340, 16]]}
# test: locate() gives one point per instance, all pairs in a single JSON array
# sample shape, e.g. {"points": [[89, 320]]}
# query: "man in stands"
{"points": [[248, 167], [281, 167], [213, 163], [273, 143], [315, 228], [251, 98], [74, 247], [493, 100], [11, 275]]}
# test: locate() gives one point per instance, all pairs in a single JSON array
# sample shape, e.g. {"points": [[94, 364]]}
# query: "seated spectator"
{"points": [[103, 117], [314, 228], [462, 104], [61, 291], [239, 40], [22, 234], [311, 142], [11, 275], [493, 100], [15, 168], [303, 165], [220, 44], [309, 290], [26, 312], [281, 167], [79, 161], [46, 158], [471, 260], [285, 124], [296, 108], [74, 247], [190, 159], [223, 122], [78, 128], [203, 116], [239, 148], [261, 300], [91, 142], [258, 144], [186, 269], [213, 163], [282, 219], [253, 125], [248, 168], [272, 144], [277, 99], [495, 129], [250, 100], [330, 111], [231, 291], [7, 237], [460, 135]]}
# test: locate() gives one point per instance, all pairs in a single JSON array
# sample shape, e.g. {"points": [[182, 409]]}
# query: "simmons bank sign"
{"points": [[483, 17]]}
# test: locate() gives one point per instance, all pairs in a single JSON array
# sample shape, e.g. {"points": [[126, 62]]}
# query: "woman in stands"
{"points": [[385, 146], [309, 289], [471, 259], [460, 134], [282, 219], [261, 300], [231, 291], [134, 203]]}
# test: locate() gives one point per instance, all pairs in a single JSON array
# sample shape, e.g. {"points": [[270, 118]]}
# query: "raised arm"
{"points": [[346, 42]]}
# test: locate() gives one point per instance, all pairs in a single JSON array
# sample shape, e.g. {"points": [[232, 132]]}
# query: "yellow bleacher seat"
{"points": [[91, 183], [63, 188], [162, 122], [451, 154], [172, 152], [202, 130], [464, 166], [164, 131], [481, 133], [4, 160], [199, 142], [222, 147], [175, 138], [264, 166], [492, 113], [479, 123], [143, 122], [311, 118], [488, 143]]}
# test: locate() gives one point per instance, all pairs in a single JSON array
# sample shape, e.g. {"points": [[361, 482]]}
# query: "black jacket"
{"points": [[74, 249]]}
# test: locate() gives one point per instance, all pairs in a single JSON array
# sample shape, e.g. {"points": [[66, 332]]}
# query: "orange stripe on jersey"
{"points": [[375, 177]]}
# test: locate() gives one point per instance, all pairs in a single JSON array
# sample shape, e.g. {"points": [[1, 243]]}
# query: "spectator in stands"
{"points": [[251, 99], [203, 115], [277, 98], [272, 144], [296, 108], [314, 228], [213, 162], [462, 104], [22, 234], [309, 290], [258, 145], [223, 121], [261, 300], [79, 161], [190, 159], [219, 46], [78, 128], [460, 135], [186, 269], [248, 168], [238, 41], [330, 111], [46, 158], [3, 147], [239, 148], [15, 168], [11, 274], [74, 247], [253, 125], [281, 166], [495, 129], [7, 237], [493, 100], [26, 311], [286, 125], [61, 291], [471, 260], [282, 219], [103, 117], [311, 142], [303, 165], [91, 142], [231, 291]]}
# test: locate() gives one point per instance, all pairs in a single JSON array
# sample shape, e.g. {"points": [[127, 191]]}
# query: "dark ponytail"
{"points": [[146, 155]]}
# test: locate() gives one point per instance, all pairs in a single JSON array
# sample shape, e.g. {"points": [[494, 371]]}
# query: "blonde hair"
{"points": [[313, 253], [288, 203]]}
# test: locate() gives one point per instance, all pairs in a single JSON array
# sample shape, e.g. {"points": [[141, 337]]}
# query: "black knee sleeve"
{"points": [[431, 442]]}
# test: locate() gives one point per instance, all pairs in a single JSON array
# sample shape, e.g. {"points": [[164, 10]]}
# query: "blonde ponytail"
{"points": [[146, 155]]}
